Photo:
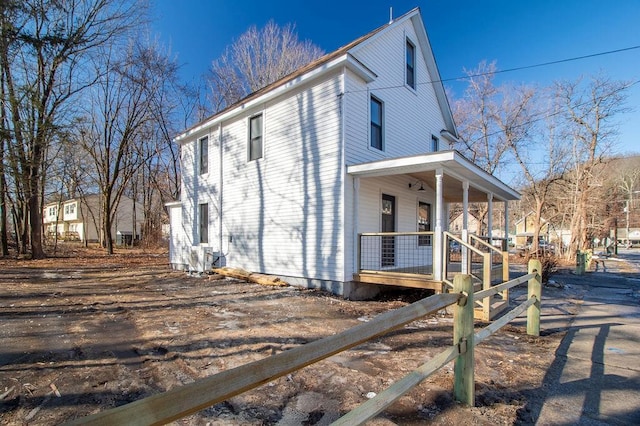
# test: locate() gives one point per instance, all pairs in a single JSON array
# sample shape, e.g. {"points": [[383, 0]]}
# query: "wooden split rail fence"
{"points": [[188, 399]]}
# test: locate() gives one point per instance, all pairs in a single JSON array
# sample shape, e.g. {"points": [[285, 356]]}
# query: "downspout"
{"points": [[356, 188], [356, 226], [221, 175]]}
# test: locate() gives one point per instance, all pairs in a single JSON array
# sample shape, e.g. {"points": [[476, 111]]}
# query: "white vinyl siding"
{"points": [[411, 117], [281, 215]]}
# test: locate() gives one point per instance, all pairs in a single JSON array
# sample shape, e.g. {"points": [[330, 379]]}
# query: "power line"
{"points": [[543, 64], [546, 114]]}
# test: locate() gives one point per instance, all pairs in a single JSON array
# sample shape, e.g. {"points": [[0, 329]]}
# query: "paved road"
{"points": [[595, 377]]}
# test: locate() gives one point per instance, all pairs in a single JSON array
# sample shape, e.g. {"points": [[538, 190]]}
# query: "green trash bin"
{"points": [[580, 263]]}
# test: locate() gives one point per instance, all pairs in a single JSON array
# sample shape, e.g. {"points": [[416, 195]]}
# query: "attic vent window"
{"points": [[411, 65]]}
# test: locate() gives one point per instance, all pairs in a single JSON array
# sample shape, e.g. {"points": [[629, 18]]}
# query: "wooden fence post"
{"points": [[535, 290], [463, 386]]}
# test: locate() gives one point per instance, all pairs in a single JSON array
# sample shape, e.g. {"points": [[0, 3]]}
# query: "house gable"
{"points": [[412, 117]]}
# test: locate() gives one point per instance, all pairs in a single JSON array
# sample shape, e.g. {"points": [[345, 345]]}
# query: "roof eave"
{"points": [[322, 69]]}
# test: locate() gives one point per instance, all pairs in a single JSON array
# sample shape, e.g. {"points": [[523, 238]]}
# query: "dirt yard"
{"points": [[85, 333]]}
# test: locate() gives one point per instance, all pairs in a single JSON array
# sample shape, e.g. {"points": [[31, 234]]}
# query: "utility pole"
{"points": [[626, 209]]}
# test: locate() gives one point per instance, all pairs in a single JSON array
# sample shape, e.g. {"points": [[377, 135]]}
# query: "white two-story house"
{"points": [[341, 167], [80, 219]]}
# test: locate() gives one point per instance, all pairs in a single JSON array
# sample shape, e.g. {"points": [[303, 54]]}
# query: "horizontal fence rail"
{"points": [[179, 402]]}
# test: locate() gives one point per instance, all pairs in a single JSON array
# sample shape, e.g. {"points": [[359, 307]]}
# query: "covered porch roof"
{"points": [[456, 170]]}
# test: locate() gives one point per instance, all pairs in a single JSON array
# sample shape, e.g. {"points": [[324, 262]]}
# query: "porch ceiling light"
{"points": [[411, 185]]}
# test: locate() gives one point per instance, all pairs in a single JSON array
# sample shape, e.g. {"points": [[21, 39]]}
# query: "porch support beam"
{"points": [[506, 225], [465, 226], [437, 247], [490, 216]]}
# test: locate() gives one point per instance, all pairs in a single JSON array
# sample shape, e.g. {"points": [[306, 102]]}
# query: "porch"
{"points": [[406, 202], [407, 260]]}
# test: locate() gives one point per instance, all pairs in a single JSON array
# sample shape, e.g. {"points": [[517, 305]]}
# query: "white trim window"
{"points": [[255, 137], [424, 223], [203, 223], [203, 155], [376, 112], [435, 143], [410, 73]]}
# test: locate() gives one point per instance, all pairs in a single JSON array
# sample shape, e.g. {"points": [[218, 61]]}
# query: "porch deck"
{"points": [[413, 277], [381, 254]]}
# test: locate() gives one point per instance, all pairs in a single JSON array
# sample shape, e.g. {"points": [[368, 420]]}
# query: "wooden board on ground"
{"points": [[241, 274]]}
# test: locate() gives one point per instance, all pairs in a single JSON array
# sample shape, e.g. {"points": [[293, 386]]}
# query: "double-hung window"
{"points": [[435, 144], [424, 223], [255, 137], [411, 65], [377, 130], [203, 149], [203, 223]]}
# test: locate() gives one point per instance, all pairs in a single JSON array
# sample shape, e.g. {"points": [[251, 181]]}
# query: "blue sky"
{"points": [[462, 33]]}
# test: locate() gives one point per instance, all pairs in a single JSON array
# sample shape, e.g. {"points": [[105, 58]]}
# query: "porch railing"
{"points": [[487, 264], [396, 252], [460, 256]]}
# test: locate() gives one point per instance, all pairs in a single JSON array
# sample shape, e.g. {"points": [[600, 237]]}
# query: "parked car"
{"points": [[544, 246]]}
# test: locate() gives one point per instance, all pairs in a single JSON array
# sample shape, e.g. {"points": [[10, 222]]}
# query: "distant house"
{"points": [[474, 225], [631, 240], [80, 219], [334, 175], [525, 229]]}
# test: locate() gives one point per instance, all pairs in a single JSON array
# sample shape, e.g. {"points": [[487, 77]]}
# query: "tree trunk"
{"points": [[35, 225], [4, 241], [106, 228]]}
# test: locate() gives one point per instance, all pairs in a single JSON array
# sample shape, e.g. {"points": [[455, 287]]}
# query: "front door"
{"points": [[388, 225]]}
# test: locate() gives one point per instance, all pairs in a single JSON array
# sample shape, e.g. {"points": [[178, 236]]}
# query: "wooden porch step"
{"points": [[497, 306]]}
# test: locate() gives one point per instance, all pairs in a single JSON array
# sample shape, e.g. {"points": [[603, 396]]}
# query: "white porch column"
{"points": [[506, 224], [465, 226], [490, 216], [437, 247]]}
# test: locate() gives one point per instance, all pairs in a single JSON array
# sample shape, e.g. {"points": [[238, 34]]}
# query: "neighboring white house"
{"points": [[284, 181], [80, 219], [457, 223]]}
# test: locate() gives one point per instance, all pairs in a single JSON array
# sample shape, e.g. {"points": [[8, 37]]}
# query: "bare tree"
{"points": [[627, 181], [255, 60], [590, 109], [481, 139], [489, 119], [43, 46], [115, 134], [538, 153]]}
